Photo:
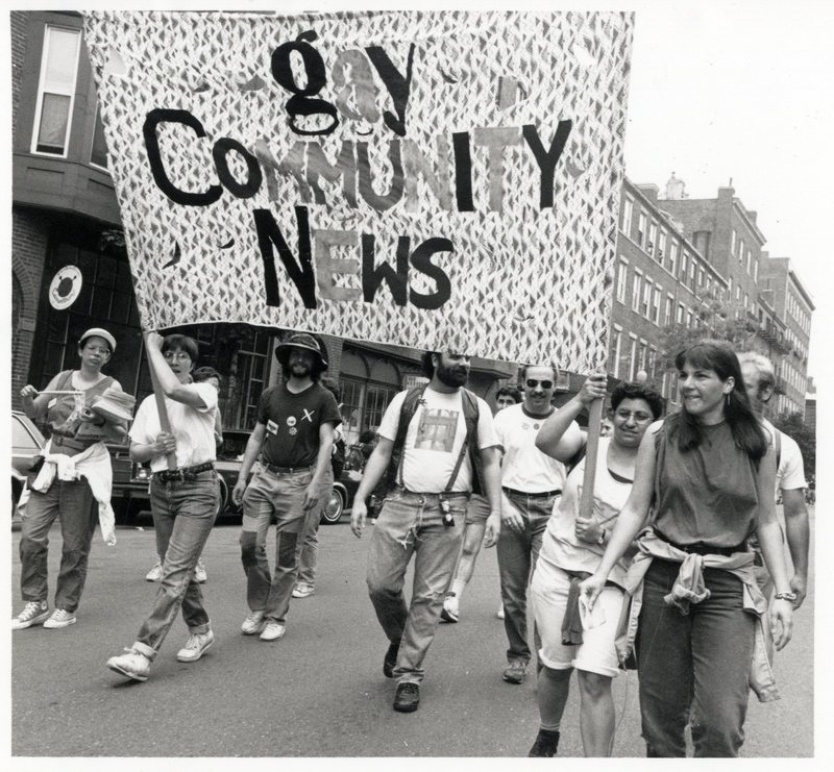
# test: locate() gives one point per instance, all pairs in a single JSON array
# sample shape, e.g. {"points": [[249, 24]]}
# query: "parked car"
{"points": [[27, 443]]}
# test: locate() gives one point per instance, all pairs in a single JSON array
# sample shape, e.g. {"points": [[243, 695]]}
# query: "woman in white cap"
{"points": [[75, 428]]}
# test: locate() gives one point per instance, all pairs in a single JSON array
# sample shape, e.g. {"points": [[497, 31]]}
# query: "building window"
{"points": [[749, 260], [98, 153], [661, 245], [755, 270], [56, 91], [642, 224], [652, 243], [635, 291], [741, 251], [673, 257], [684, 258], [656, 304], [733, 240], [680, 313], [645, 309], [667, 314], [622, 279], [628, 210]]}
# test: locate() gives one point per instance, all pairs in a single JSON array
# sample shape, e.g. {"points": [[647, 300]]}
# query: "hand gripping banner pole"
{"points": [[164, 423]]}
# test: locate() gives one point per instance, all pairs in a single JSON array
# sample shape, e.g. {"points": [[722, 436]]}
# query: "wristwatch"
{"points": [[789, 596]]}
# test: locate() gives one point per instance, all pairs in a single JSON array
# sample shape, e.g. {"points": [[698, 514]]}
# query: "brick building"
{"points": [[676, 254]]}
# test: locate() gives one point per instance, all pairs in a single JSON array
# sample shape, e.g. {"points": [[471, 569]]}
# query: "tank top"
{"points": [[706, 495]]}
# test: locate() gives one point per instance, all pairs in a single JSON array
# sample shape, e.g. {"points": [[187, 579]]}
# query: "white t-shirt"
{"points": [[560, 545], [192, 427], [434, 440], [525, 468], [790, 475]]}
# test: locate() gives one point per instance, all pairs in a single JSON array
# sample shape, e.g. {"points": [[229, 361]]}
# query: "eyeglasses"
{"points": [[98, 349], [176, 355], [532, 383]]}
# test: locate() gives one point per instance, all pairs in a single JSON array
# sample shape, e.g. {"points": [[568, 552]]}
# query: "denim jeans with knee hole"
{"points": [[517, 556], [184, 511], [73, 502], [694, 668], [283, 495], [412, 526]]}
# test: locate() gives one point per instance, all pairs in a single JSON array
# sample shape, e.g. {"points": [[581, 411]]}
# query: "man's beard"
{"points": [[454, 376], [300, 369]]}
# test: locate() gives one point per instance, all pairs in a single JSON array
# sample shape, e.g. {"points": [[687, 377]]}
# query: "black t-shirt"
{"points": [[292, 423]]}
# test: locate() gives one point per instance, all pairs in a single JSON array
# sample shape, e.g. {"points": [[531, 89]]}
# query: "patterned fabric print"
{"points": [[525, 282]]}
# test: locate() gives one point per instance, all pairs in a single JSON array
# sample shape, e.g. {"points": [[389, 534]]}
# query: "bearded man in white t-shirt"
{"points": [[424, 515]]}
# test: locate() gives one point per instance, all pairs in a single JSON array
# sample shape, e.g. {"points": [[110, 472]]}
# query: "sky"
{"points": [[742, 91]]}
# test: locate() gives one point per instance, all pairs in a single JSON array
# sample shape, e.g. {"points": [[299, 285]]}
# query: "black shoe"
{"points": [[407, 698], [546, 744], [390, 661]]}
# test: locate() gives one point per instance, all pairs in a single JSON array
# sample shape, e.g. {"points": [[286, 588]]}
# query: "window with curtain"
{"points": [[56, 90]]}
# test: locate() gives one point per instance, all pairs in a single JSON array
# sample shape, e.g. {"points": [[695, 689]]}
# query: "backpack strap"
{"points": [[409, 407], [471, 415]]}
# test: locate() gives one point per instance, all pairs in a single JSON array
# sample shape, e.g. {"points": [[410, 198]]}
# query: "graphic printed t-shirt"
{"points": [[192, 427], [525, 468], [434, 440], [292, 423]]}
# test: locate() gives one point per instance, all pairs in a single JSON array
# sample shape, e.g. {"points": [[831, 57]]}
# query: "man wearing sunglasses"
{"points": [[531, 484]]}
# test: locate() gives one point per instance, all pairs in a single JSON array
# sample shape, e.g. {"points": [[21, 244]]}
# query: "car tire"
{"points": [[331, 512]]}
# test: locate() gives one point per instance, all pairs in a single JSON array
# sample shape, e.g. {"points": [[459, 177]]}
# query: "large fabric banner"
{"points": [[424, 179]]}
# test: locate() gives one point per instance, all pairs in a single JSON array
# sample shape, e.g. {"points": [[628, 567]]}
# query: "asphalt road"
{"points": [[319, 691]]}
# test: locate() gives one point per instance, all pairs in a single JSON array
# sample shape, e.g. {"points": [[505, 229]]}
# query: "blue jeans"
{"points": [[517, 556], [184, 513], [73, 500], [283, 496], [695, 668], [411, 525]]}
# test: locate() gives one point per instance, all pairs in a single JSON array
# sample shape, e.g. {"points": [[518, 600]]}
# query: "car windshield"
{"points": [[22, 437]]}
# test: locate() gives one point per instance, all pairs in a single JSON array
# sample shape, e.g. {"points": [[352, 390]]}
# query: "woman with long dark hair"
{"points": [[706, 474]]}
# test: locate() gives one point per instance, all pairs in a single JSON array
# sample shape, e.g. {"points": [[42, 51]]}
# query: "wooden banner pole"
{"points": [[164, 423], [586, 502]]}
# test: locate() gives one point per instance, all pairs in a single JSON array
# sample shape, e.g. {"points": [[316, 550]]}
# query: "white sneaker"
{"points": [[35, 612], [132, 664], [254, 623], [59, 619], [500, 612], [273, 631], [303, 590], [197, 645], [200, 575], [155, 574]]}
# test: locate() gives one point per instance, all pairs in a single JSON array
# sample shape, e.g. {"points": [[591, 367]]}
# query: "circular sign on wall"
{"points": [[65, 287]]}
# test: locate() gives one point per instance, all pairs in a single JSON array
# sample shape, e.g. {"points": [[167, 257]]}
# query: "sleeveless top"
{"points": [[706, 495], [62, 411]]}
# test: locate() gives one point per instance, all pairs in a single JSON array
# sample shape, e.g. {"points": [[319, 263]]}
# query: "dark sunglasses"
{"points": [[532, 383]]}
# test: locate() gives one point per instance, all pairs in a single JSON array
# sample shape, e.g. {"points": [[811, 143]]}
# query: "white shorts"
{"points": [[596, 653]]}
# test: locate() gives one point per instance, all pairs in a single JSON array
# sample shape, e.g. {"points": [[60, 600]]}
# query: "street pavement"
{"points": [[320, 690]]}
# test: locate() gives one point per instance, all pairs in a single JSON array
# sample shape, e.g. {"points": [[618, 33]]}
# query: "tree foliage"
{"points": [[793, 425], [717, 320]]}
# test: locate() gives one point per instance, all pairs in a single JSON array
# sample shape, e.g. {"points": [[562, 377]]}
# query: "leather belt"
{"points": [[59, 440], [442, 495], [543, 495], [186, 473], [273, 469]]}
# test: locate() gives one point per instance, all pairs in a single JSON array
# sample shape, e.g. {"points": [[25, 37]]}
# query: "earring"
{"points": [[727, 400]]}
